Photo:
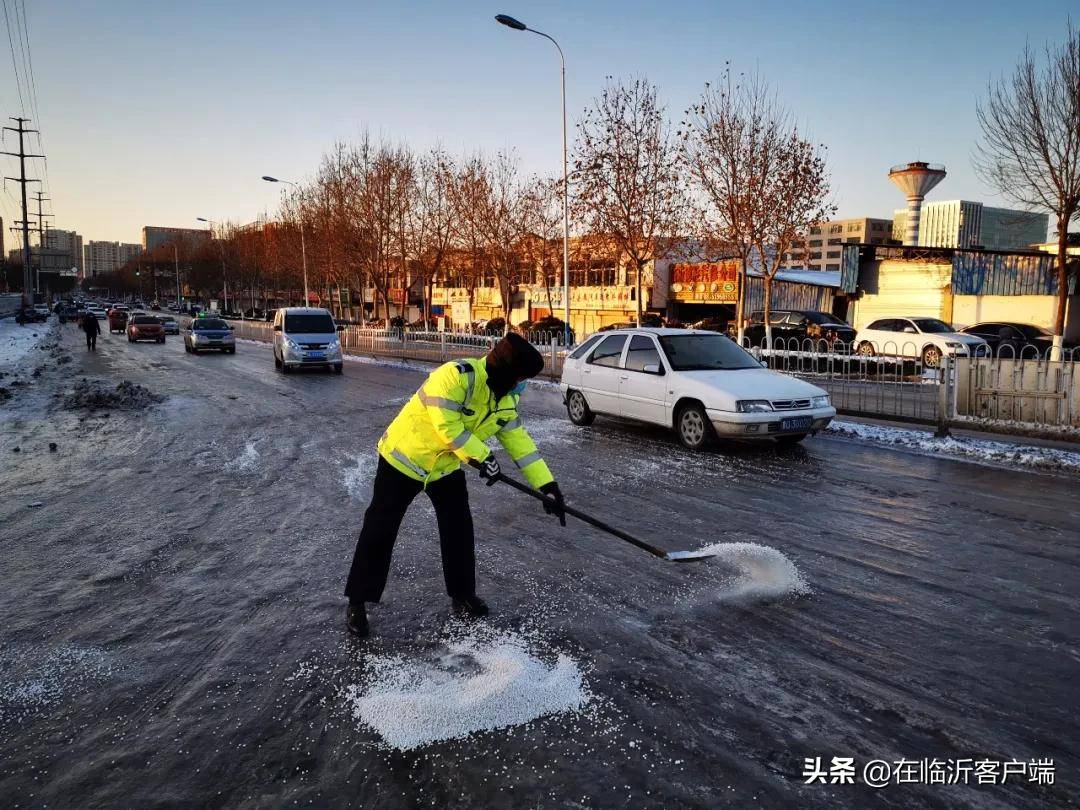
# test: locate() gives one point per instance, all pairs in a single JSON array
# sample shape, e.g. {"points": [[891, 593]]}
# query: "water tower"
{"points": [[915, 180]]}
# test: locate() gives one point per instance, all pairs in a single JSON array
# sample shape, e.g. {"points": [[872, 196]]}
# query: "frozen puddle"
{"points": [[479, 682], [762, 572], [247, 461], [357, 478]]}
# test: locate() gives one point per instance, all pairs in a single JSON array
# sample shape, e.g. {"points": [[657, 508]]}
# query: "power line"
{"points": [[14, 64], [22, 179]]}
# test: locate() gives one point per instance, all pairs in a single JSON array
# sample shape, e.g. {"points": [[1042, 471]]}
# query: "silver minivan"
{"points": [[306, 336]]}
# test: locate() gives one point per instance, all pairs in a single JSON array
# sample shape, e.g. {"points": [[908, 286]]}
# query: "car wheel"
{"points": [[285, 368], [790, 440], [578, 409], [277, 362], [693, 427], [232, 350], [931, 357], [187, 348], [339, 368], [866, 349]]}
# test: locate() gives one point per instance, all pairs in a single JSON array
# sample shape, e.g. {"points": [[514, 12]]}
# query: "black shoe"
{"points": [[471, 606], [357, 619]]}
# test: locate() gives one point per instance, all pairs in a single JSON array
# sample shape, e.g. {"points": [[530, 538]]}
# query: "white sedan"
{"points": [[928, 339], [699, 383]]}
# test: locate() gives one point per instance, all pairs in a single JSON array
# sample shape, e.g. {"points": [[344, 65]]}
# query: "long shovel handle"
{"points": [[629, 538]]}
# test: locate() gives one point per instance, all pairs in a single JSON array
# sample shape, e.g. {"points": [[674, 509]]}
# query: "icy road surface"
{"points": [[173, 622]]}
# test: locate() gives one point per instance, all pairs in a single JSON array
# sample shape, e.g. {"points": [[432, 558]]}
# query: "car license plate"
{"points": [[212, 341], [796, 423], [316, 355]]}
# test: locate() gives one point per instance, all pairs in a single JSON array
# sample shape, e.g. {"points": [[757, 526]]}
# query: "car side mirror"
{"points": [[277, 328], [652, 368]]}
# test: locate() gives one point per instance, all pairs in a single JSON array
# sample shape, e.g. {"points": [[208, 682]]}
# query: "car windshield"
{"points": [[822, 318], [144, 320], [704, 352], [1032, 331], [167, 319], [931, 325], [309, 324], [209, 323]]}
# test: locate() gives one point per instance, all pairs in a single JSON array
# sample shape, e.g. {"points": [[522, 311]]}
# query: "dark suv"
{"points": [[792, 328]]}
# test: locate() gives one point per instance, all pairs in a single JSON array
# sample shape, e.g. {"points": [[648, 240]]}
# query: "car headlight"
{"points": [[292, 344], [820, 402], [753, 405]]}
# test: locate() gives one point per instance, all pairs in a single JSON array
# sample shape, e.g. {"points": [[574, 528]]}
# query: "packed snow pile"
{"points": [[983, 451], [125, 396], [481, 681], [762, 572], [16, 341]]}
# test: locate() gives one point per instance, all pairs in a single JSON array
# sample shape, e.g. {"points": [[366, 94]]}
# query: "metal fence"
{"points": [[894, 383], [425, 346], [1008, 387]]}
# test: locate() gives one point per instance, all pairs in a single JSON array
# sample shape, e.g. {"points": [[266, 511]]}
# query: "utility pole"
{"points": [[43, 232], [22, 180]]}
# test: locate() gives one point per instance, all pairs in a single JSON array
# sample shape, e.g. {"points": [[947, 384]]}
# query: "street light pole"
{"points": [[517, 25], [176, 266], [303, 249]]}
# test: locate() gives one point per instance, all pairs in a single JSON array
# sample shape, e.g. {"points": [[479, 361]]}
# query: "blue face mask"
{"points": [[519, 389]]}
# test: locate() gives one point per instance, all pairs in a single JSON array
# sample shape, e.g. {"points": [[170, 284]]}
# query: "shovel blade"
{"points": [[688, 556]]}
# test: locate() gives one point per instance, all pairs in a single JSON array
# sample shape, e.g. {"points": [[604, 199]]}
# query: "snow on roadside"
{"points": [[17, 341], [483, 680], [980, 451]]}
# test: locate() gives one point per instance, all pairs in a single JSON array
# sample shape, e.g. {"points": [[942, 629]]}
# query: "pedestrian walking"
{"points": [[92, 329], [446, 422]]}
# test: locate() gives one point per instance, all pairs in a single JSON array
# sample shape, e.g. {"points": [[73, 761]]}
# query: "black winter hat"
{"points": [[509, 360]]}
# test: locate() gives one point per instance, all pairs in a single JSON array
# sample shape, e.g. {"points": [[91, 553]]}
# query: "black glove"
{"points": [[554, 493], [489, 468]]}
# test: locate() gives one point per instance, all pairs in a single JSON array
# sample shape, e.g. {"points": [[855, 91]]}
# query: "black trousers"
{"points": [[393, 492], [91, 340]]}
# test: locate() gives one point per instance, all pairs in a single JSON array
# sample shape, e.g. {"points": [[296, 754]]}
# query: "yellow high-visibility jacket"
{"points": [[448, 420]]}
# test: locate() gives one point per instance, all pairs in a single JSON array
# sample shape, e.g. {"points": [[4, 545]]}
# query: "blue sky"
{"points": [[156, 113]]}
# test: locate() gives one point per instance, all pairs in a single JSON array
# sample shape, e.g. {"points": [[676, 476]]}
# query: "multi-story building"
{"points": [[104, 257], [821, 249], [154, 236], [68, 242], [967, 224]]}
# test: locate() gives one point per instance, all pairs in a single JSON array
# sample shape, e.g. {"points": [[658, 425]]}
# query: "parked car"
{"points": [[43, 310], [145, 327], [306, 336], [802, 329], [97, 311], [118, 320], [929, 339], [699, 383], [170, 324], [1008, 339], [209, 334]]}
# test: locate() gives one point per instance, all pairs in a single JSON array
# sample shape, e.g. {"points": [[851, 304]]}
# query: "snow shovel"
{"points": [[669, 556]]}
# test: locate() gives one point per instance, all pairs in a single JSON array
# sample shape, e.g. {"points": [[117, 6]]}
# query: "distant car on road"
{"points": [[306, 336], [118, 319], [145, 327], [699, 383], [928, 339], [97, 311], [807, 329], [171, 325], [209, 334], [42, 310], [1008, 339]]}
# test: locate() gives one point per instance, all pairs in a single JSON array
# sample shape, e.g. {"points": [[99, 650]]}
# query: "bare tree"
{"points": [[761, 184], [542, 210], [491, 202], [629, 185], [431, 220], [1030, 150]]}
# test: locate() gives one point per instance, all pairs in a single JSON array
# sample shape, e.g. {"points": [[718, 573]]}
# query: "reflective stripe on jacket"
{"points": [[447, 422]]}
